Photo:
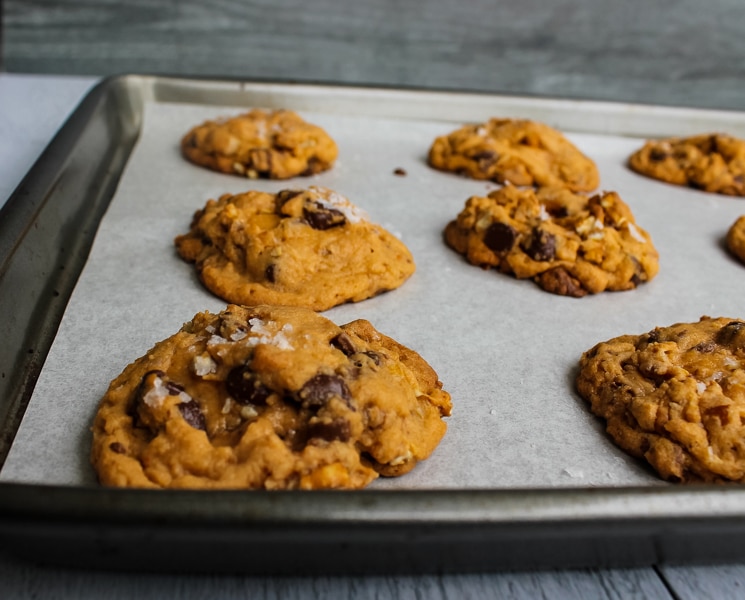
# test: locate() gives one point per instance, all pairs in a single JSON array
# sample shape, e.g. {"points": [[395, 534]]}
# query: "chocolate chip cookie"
{"points": [[269, 397], [675, 397], [275, 144], [309, 247], [711, 162], [736, 238], [569, 244], [516, 151]]}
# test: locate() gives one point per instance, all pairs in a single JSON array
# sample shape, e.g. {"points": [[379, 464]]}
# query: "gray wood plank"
{"points": [[24, 581], [694, 583], [671, 51]]}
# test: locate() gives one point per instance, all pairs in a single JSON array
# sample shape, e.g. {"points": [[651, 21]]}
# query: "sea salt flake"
{"points": [[635, 233], [335, 201], [203, 365]]}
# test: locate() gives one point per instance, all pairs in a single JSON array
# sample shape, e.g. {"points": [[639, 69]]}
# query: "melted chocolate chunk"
{"points": [[318, 390], [314, 166], [559, 281], [542, 245], [705, 347], [732, 334], [283, 197], [499, 237], [322, 217], [174, 389], [657, 155], [344, 343], [338, 429], [245, 387], [192, 414]]}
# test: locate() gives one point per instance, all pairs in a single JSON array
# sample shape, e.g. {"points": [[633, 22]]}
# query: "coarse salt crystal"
{"points": [[635, 233], [334, 200], [203, 365]]}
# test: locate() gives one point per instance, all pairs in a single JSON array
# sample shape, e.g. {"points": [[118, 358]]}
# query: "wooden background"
{"points": [[680, 52]]}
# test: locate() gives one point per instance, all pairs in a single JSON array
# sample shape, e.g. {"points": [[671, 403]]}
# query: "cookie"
{"points": [[268, 397], [736, 238], [275, 144], [569, 244], [310, 248], [712, 162], [674, 397], [520, 152]]}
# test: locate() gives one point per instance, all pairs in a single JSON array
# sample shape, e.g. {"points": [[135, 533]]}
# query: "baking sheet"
{"points": [[505, 350]]}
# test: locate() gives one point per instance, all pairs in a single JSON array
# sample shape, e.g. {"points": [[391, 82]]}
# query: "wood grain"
{"points": [[682, 52], [23, 581]]}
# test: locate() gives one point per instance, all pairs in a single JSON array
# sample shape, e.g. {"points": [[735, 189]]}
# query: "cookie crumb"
{"points": [[400, 172]]}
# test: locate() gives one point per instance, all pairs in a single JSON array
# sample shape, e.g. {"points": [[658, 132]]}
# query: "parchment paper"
{"points": [[506, 350]]}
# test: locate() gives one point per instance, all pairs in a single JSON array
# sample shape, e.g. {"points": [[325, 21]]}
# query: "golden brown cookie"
{"points": [[520, 152], [736, 238], [268, 398], [675, 397], [712, 162], [310, 248], [567, 243], [273, 144]]}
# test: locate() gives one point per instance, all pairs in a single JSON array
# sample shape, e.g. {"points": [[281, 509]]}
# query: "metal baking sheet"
{"points": [[525, 476]]}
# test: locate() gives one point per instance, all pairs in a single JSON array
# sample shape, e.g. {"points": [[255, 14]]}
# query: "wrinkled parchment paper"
{"points": [[506, 350]]}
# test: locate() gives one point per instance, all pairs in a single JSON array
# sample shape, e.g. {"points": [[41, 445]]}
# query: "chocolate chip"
{"points": [[284, 196], [192, 414], [318, 390], [657, 155], [732, 334], [245, 387], [542, 245], [338, 429], [485, 159], [653, 336], [705, 347], [344, 343], [559, 281], [270, 273], [322, 217], [174, 389], [400, 172], [314, 166], [557, 211], [117, 447], [499, 237]]}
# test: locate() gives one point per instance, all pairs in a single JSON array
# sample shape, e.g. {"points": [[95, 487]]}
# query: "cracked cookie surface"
{"points": [[712, 162], [310, 248], [520, 152], [675, 397], [275, 144], [268, 397], [569, 244]]}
